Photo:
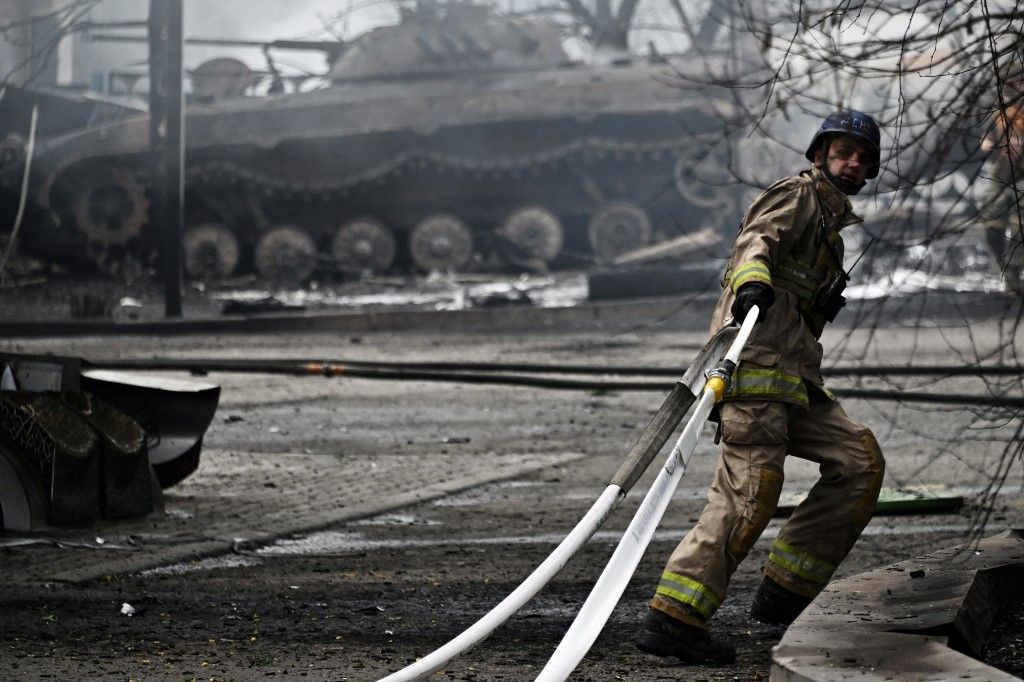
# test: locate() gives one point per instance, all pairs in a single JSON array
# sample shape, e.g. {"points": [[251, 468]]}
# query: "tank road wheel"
{"points": [[533, 236], [285, 254], [210, 252], [618, 228], [363, 245], [698, 184], [110, 210], [441, 242]]}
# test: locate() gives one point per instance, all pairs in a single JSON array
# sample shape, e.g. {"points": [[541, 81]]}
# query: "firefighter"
{"points": [[787, 260], [1001, 215]]}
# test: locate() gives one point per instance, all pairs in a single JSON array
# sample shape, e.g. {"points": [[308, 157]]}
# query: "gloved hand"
{"points": [[749, 295]]}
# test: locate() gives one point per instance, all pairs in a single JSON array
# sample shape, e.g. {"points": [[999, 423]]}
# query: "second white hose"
{"points": [[616, 575]]}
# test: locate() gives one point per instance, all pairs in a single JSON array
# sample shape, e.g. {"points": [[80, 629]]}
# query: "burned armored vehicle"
{"points": [[457, 139]]}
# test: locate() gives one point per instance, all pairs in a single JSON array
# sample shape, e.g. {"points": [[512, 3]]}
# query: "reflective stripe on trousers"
{"points": [[688, 591], [756, 438], [800, 564]]}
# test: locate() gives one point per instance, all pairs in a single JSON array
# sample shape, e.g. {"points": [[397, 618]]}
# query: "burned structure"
{"points": [[457, 139], [79, 444]]}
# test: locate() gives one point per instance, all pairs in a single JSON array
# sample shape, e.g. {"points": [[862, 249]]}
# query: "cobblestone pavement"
{"points": [[237, 500]]}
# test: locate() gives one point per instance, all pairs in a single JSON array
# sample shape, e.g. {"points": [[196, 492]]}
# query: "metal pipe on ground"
{"points": [[414, 372], [228, 365]]}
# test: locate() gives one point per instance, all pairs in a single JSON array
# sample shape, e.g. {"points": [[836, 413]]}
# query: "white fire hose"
{"points": [[494, 618], [609, 587], [644, 451]]}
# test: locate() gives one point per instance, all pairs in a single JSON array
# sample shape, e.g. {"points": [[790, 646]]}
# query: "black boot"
{"points": [[666, 636], [775, 605]]}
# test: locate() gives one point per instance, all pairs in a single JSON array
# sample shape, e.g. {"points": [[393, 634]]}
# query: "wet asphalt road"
{"points": [[366, 597]]}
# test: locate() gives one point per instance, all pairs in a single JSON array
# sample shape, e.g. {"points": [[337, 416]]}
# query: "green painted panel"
{"points": [[933, 500]]}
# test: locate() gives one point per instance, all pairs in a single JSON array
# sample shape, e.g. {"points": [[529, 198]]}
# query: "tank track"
{"points": [[588, 148], [260, 185]]}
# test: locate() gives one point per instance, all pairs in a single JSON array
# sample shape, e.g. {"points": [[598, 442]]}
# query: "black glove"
{"points": [[749, 295]]}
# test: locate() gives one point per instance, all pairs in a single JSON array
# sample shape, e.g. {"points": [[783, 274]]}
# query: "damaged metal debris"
{"points": [[79, 445]]}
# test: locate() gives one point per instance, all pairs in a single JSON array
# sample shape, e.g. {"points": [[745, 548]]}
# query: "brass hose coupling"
{"points": [[719, 379]]}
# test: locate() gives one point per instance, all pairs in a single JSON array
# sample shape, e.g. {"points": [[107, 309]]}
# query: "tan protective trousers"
{"points": [[756, 437]]}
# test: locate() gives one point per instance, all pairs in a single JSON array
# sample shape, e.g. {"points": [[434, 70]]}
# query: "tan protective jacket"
{"points": [[790, 241]]}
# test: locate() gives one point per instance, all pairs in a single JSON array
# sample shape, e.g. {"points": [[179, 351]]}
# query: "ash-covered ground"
{"points": [[358, 599]]}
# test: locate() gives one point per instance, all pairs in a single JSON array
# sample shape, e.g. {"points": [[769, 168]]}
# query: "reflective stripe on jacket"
{"points": [[789, 241]]}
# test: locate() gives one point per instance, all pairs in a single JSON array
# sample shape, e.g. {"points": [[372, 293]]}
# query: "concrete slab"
{"points": [[247, 500], [921, 619]]}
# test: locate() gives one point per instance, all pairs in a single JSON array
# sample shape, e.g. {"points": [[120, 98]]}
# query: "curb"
{"points": [[679, 312], [685, 312], [922, 619]]}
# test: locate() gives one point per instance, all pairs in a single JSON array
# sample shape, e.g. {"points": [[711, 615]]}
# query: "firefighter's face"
{"points": [[847, 158]]}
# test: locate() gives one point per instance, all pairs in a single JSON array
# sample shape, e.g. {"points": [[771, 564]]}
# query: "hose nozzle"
{"points": [[719, 379]]}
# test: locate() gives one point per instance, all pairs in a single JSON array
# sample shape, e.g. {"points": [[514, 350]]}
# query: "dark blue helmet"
{"points": [[855, 124]]}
